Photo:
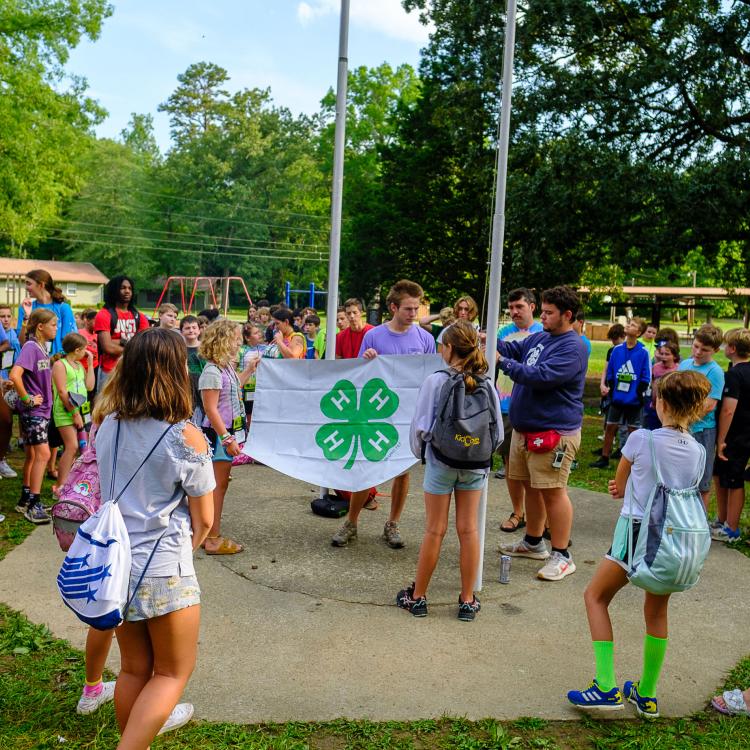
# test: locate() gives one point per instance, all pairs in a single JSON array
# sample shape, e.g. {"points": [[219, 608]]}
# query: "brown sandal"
{"points": [[226, 547], [514, 522]]}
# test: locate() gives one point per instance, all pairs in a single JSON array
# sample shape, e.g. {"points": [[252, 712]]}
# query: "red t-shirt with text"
{"points": [[348, 342], [125, 329]]}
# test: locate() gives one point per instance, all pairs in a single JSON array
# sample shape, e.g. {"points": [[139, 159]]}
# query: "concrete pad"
{"points": [[294, 629]]}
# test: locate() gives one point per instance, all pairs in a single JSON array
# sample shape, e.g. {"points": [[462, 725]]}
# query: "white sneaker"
{"points": [[181, 715], [522, 549], [6, 471], [558, 566], [87, 705]]}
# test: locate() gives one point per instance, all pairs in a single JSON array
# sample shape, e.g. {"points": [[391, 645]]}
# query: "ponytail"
{"points": [[462, 336], [43, 277]]}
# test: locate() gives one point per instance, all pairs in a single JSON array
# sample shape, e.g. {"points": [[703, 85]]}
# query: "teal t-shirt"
{"points": [[715, 376]]}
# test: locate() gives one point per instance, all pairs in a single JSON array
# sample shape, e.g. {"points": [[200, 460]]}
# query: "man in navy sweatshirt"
{"points": [[628, 378], [548, 370]]}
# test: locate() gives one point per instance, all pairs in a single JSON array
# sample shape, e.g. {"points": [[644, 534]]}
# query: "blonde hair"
{"points": [[168, 307], [447, 316], [739, 338], [684, 392], [473, 309], [464, 339], [218, 343]]}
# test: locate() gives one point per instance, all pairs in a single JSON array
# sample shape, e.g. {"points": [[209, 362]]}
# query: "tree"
{"points": [[45, 119], [374, 97], [628, 129], [239, 176], [112, 221]]}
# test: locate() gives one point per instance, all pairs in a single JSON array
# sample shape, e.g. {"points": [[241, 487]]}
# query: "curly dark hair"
{"points": [[563, 298]]}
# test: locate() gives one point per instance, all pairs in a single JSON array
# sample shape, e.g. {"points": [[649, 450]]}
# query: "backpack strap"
{"points": [[114, 463], [119, 495], [654, 462]]}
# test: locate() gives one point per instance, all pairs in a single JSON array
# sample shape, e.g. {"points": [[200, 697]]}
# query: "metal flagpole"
{"points": [[332, 302], [338, 184], [498, 237]]}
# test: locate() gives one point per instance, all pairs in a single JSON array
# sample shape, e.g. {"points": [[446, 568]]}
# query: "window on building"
{"points": [[71, 289]]}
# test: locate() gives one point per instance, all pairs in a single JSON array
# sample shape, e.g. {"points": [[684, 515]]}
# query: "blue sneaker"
{"points": [[648, 708], [595, 697]]}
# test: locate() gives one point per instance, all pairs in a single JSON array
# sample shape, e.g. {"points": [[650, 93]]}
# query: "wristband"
{"points": [[26, 398], [223, 437]]}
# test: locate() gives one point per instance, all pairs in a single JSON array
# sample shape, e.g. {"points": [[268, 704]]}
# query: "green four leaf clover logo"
{"points": [[357, 424]]}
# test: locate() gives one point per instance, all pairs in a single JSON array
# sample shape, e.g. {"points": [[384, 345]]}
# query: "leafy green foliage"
{"points": [[45, 118]]}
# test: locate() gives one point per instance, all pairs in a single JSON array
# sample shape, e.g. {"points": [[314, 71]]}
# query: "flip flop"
{"points": [[734, 704], [371, 504], [227, 547], [516, 522]]}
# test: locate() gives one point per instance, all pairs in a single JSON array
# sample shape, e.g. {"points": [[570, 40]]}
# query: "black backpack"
{"points": [[329, 506], [466, 431], [113, 318]]}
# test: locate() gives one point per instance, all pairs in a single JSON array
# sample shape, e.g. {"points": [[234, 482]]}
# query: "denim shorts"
{"points": [[619, 552], [442, 480], [160, 595]]}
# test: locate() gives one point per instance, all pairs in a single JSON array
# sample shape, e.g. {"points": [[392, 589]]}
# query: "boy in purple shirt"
{"points": [[399, 335]]}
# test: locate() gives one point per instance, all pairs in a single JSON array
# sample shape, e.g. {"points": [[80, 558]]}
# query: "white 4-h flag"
{"points": [[341, 423]]}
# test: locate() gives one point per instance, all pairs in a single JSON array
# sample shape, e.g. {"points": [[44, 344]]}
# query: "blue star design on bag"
{"points": [[76, 578]]}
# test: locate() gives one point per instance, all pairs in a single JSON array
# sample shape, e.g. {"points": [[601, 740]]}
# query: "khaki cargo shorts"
{"points": [[536, 468]]}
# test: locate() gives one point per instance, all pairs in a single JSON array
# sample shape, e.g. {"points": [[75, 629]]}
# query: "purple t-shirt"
{"points": [[384, 341], [37, 377]]}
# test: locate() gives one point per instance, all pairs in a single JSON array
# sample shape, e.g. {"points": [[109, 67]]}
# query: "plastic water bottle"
{"points": [[82, 440]]}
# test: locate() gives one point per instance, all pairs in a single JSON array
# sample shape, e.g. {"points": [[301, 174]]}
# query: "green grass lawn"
{"points": [[598, 359], [41, 677]]}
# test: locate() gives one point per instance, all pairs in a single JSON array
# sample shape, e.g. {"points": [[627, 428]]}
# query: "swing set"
{"points": [[209, 284]]}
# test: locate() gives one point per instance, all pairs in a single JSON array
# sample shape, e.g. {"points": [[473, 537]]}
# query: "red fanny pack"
{"points": [[542, 442]]}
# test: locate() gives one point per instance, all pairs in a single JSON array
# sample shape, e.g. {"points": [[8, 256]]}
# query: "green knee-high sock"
{"points": [[604, 656], [654, 650]]}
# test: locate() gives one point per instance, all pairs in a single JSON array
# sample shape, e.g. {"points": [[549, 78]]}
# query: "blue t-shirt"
{"points": [[587, 343], [715, 376], [66, 322], [9, 355]]}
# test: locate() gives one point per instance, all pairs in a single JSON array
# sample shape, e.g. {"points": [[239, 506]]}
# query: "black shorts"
{"points": [[731, 473], [629, 414]]}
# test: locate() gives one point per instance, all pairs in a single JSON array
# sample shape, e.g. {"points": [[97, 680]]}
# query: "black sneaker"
{"points": [[596, 452], [602, 463], [405, 599], [36, 514], [617, 454], [467, 611]]}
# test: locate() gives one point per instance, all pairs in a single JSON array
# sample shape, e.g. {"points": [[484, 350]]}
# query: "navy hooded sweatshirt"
{"points": [[549, 374]]}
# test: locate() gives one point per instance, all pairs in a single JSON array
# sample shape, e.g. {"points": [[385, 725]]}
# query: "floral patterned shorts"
{"points": [[34, 430], [160, 595]]}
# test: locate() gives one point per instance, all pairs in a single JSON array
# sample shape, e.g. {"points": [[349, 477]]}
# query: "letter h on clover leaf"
{"points": [[358, 422]]}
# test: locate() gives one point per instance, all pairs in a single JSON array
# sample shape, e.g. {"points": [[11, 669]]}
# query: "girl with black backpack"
{"points": [[462, 354]]}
